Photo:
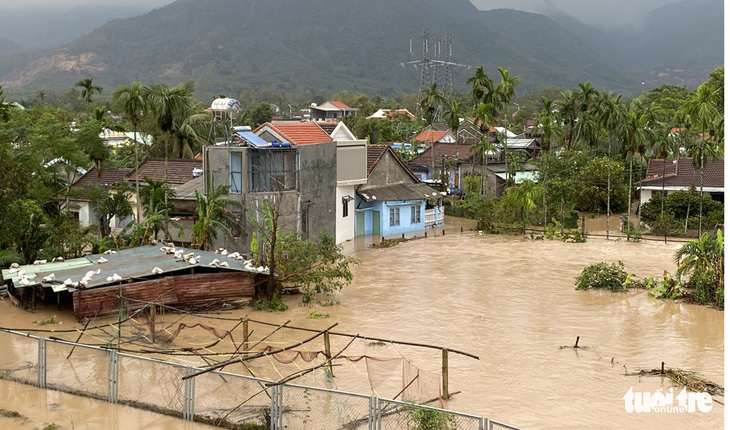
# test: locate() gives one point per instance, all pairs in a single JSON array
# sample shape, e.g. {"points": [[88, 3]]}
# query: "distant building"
{"points": [[681, 175], [395, 115], [330, 110]]}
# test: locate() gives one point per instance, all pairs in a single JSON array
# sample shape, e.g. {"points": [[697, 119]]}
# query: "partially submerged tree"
{"points": [[312, 265]]}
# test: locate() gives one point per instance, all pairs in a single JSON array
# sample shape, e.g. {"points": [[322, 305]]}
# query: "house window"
{"points": [[236, 168], [394, 216], [416, 214], [273, 170]]}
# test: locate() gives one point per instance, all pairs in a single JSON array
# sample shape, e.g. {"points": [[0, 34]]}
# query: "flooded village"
{"points": [[476, 233]]}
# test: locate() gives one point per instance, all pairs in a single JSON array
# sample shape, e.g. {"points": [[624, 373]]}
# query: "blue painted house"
{"points": [[394, 202]]}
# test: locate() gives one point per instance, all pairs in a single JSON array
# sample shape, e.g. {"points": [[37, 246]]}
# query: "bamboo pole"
{"points": [[328, 353], [260, 354], [445, 374], [376, 339], [244, 321]]}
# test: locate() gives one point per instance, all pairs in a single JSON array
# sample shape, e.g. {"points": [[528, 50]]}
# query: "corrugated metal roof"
{"points": [[31, 269], [394, 192], [134, 263]]}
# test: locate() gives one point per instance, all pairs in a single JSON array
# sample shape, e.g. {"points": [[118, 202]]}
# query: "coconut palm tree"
{"points": [[213, 213], [88, 88], [133, 105]]}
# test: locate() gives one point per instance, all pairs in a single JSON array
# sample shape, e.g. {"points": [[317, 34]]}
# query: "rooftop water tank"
{"points": [[227, 107]]}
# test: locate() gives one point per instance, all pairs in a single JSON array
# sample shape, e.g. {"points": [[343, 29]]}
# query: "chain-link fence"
{"points": [[219, 398]]}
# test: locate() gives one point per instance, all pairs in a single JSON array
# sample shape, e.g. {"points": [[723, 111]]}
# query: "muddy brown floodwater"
{"points": [[512, 302]]}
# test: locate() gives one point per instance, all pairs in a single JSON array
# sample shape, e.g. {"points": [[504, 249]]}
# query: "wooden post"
{"points": [[445, 374], [244, 322], [425, 234], [443, 232], [153, 315], [462, 228], [576, 342], [662, 367], [327, 352]]}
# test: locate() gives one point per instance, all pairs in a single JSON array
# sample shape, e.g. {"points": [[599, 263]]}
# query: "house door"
{"points": [[359, 223], [376, 223]]}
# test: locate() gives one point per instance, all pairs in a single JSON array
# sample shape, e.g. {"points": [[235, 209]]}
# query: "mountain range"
{"points": [[227, 46]]}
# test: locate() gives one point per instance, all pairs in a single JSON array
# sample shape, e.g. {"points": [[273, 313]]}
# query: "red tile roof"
{"points": [[178, 171], [107, 178], [297, 133], [431, 136], [338, 104], [681, 173]]}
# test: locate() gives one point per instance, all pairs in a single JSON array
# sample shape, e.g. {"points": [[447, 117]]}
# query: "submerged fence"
{"points": [[219, 398]]}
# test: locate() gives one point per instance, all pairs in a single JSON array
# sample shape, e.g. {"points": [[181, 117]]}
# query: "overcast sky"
{"points": [[604, 12], [35, 4]]}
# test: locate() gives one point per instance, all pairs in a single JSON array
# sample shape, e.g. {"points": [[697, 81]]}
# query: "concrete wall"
{"points": [[317, 184], [314, 200], [389, 171]]}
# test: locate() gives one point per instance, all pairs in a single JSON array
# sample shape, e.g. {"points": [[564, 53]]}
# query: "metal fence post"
{"points": [[277, 422], [189, 399], [42, 362], [113, 376], [372, 413], [487, 424], [378, 414]]}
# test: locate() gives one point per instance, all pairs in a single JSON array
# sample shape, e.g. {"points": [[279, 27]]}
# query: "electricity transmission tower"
{"points": [[435, 68]]}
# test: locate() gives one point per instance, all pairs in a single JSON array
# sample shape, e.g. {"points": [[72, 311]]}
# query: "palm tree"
{"points": [[88, 88], [430, 106], [702, 110], [5, 107], [611, 114], [188, 138], [505, 89], [638, 133], [133, 104], [665, 146], [522, 199], [481, 84], [212, 214], [586, 96], [170, 106], [704, 260], [155, 204], [453, 120], [549, 131], [568, 112]]}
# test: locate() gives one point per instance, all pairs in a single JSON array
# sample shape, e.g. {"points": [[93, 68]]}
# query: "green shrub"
{"points": [[604, 276]]}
